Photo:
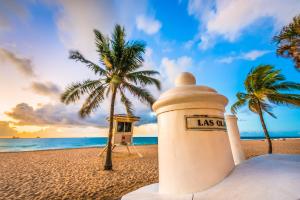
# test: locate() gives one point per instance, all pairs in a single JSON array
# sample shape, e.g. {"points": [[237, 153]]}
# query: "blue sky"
{"points": [[218, 41]]}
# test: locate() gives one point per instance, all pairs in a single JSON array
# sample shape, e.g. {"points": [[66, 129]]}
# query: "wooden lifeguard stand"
{"points": [[122, 132]]}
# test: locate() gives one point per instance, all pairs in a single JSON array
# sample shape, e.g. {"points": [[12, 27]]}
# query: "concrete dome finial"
{"points": [[185, 78]]}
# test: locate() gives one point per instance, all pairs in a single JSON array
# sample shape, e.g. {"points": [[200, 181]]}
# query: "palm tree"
{"points": [[121, 60], [264, 88], [288, 41]]}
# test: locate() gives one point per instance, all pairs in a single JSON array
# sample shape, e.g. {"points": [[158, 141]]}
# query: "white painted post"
{"points": [[234, 138], [194, 153]]}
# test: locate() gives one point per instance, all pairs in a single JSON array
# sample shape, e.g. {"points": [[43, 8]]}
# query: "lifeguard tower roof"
{"points": [[124, 117]]}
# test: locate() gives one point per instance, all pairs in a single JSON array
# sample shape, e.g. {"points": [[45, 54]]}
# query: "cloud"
{"points": [[49, 114], [149, 63], [6, 129], [251, 55], [201, 9], [60, 115], [148, 24], [229, 18], [77, 19], [24, 65], [150, 129], [46, 89], [171, 68], [10, 10], [4, 23]]}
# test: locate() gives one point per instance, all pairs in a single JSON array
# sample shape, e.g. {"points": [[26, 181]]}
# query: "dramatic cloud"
{"points": [[63, 116], [49, 114], [229, 18], [46, 89], [24, 65], [6, 130], [148, 24], [251, 55]]}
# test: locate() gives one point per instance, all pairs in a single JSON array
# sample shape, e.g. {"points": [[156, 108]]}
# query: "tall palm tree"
{"points": [[121, 60], [288, 41], [265, 87]]}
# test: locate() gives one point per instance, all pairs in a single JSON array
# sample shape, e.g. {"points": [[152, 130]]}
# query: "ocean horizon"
{"points": [[35, 144]]}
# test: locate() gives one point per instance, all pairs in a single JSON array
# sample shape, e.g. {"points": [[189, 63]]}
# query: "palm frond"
{"points": [[237, 105], [93, 101], [118, 43], [284, 99], [142, 94], [127, 103], [146, 72], [132, 57], [288, 41], [75, 55], [285, 51], [286, 85], [76, 90], [253, 105], [242, 100], [254, 78], [267, 108], [140, 78], [288, 32], [103, 48]]}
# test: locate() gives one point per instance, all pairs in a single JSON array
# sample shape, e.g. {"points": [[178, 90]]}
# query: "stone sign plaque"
{"points": [[204, 122]]}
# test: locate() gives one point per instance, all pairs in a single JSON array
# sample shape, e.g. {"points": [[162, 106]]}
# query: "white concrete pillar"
{"points": [[193, 147], [234, 138]]}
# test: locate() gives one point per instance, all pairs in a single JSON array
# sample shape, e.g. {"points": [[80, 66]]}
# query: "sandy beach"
{"points": [[78, 174]]}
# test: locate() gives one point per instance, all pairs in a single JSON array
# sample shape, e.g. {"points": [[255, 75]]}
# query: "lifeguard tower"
{"points": [[123, 131]]}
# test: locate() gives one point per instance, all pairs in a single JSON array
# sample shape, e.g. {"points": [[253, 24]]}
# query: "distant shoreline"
{"points": [[100, 146], [37, 144], [272, 138], [79, 148]]}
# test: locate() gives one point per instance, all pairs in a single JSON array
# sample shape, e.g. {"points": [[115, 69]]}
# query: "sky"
{"points": [[219, 41]]}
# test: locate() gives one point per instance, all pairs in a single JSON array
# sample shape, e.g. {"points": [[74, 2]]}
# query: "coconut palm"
{"points": [[121, 61], [288, 41], [266, 87]]}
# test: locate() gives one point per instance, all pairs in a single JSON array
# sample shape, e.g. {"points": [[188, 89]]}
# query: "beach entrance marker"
{"points": [[193, 145], [122, 132]]}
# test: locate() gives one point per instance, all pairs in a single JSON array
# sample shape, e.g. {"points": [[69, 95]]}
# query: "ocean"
{"points": [[34, 144]]}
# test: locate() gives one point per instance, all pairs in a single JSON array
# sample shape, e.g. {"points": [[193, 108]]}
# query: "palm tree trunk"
{"points": [[108, 160], [270, 149]]}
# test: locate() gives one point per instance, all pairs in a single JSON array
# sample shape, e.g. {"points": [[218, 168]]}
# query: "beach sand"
{"points": [[78, 174]]}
